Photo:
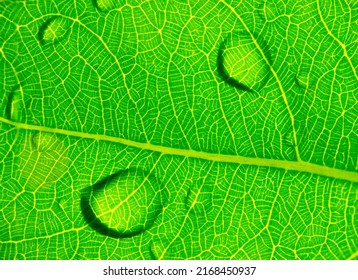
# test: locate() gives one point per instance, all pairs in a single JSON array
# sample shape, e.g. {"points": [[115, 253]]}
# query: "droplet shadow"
{"points": [[264, 69], [95, 4], [42, 30], [93, 220], [8, 109], [224, 75]]}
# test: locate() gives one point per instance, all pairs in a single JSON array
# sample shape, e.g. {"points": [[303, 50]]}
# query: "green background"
{"points": [[178, 129]]}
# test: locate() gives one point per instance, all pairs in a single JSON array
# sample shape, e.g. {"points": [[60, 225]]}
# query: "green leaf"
{"points": [[178, 129]]}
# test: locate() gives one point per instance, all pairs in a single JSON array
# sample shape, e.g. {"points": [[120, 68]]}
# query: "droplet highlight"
{"points": [[241, 62], [124, 204], [54, 29]]}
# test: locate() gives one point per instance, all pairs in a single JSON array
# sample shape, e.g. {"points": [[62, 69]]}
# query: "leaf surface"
{"points": [[172, 130]]}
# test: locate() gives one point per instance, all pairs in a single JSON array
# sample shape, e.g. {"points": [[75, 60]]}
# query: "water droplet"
{"points": [[124, 204], [302, 78], [43, 160], [16, 105], [43, 141], [54, 29], [241, 63], [289, 139], [106, 5]]}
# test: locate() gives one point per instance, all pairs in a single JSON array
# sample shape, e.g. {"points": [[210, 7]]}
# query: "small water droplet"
{"points": [[289, 139], [302, 78], [54, 29], [124, 204], [241, 63], [106, 5], [16, 105]]}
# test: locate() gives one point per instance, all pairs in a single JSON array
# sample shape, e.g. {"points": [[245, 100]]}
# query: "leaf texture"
{"points": [[178, 130]]}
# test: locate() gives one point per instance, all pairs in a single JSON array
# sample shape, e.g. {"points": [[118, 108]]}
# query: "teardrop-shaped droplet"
{"points": [[15, 109], [242, 62], [106, 5], [54, 29], [124, 204]]}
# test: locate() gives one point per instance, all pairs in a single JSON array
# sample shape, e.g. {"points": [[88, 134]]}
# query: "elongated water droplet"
{"points": [[241, 62], [54, 29], [124, 204], [15, 109]]}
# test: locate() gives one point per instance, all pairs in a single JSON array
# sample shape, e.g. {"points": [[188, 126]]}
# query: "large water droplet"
{"points": [[124, 204], [106, 5], [54, 29], [241, 62]]}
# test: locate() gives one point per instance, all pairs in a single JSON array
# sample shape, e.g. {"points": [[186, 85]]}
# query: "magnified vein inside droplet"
{"points": [[124, 204]]}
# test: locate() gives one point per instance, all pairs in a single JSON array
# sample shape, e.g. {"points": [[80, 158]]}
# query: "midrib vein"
{"points": [[299, 166]]}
